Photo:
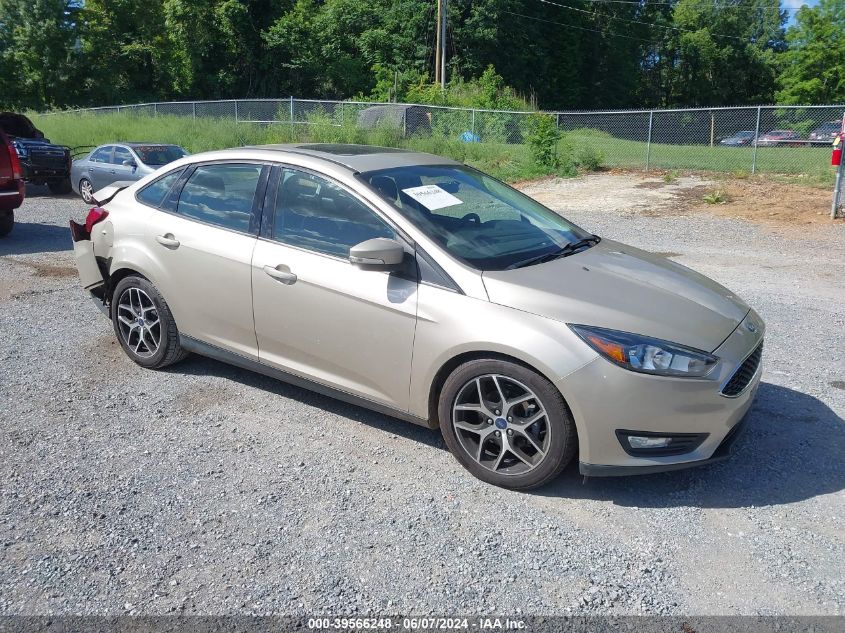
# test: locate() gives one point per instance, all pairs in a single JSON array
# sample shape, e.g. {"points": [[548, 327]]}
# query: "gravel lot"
{"points": [[205, 489]]}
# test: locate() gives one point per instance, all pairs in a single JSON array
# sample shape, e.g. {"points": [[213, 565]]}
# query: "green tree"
{"points": [[127, 53], [38, 53], [724, 55], [813, 67]]}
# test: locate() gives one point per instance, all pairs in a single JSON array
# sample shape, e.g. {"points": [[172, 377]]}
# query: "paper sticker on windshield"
{"points": [[432, 197]]}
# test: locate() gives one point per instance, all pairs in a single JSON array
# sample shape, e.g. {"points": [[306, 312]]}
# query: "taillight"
{"points": [[17, 172], [96, 214]]}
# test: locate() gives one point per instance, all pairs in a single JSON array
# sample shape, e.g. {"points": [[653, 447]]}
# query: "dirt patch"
{"points": [[43, 270], [770, 202], [757, 199]]}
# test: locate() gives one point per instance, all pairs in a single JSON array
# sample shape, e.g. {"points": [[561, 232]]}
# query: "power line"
{"points": [[660, 26], [582, 28]]}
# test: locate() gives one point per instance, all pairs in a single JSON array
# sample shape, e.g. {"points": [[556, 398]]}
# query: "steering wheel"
{"points": [[471, 217]]}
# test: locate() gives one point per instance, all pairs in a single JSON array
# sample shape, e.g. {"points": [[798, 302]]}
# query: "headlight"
{"points": [[646, 355], [20, 150]]}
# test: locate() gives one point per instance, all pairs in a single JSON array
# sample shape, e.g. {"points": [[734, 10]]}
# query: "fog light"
{"points": [[656, 444], [637, 441]]}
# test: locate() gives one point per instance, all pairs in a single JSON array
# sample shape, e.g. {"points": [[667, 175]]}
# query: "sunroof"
{"points": [[340, 149]]}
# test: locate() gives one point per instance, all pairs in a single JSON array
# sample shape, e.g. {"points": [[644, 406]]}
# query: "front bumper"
{"points": [[38, 174], [604, 397]]}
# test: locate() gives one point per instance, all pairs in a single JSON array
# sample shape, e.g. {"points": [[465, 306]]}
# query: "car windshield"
{"points": [[476, 218], [159, 154]]}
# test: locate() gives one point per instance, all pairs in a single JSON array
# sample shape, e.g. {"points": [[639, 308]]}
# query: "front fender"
{"points": [[450, 325]]}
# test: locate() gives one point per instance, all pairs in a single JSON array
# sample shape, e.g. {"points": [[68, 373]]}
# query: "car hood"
{"points": [[616, 286], [30, 143]]}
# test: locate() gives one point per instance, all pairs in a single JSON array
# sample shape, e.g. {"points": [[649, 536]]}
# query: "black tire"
{"points": [[7, 221], [562, 444], [60, 187], [169, 350]]}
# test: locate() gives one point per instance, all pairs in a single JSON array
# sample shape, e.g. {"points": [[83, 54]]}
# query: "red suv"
{"points": [[11, 184]]}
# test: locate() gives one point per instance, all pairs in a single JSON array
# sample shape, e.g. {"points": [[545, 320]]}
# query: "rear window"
{"points": [[221, 194], [153, 194]]}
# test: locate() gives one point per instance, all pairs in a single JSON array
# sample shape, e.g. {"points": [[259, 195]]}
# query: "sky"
{"points": [[796, 4]]}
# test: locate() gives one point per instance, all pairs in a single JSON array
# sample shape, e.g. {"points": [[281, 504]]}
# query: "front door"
{"points": [[319, 316], [202, 244], [119, 171]]}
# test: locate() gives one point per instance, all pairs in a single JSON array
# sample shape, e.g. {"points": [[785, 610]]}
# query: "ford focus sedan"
{"points": [[119, 162], [422, 288]]}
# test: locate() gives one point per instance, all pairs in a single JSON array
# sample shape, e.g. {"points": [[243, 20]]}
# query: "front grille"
{"points": [[743, 375], [48, 159]]}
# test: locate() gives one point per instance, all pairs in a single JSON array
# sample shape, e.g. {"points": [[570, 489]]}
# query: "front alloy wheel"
{"points": [[506, 424], [501, 424], [86, 190]]}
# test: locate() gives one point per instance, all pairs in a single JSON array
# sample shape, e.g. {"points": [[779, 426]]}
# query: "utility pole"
{"points": [[440, 54]]}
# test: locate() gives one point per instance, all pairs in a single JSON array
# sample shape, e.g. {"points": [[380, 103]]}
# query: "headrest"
{"points": [[387, 186], [209, 181]]}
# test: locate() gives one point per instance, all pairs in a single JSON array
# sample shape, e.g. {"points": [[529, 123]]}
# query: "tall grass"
{"points": [[505, 161], [583, 149]]}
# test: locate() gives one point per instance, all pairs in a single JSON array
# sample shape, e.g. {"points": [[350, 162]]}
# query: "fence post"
{"points": [[194, 106], [236, 111], [155, 109], [648, 142], [473, 123], [837, 188], [756, 137], [291, 111], [341, 114]]}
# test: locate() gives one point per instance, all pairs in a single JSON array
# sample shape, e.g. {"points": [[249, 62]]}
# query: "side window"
{"points": [[221, 194], [153, 194], [121, 154], [102, 155], [315, 214]]}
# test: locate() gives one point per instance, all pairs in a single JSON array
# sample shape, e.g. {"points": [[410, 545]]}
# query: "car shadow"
{"points": [[35, 237], [791, 450], [43, 191], [202, 366]]}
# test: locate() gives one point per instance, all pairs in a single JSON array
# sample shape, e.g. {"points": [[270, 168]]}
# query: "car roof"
{"points": [[360, 158]]}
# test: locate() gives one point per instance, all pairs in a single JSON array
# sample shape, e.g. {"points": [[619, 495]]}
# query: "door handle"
{"points": [[285, 277], [167, 240]]}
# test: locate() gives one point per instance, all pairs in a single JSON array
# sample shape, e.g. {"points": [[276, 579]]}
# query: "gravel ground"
{"points": [[205, 489]]}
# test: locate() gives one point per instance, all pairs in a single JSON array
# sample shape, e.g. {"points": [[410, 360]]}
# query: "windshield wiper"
{"points": [[565, 251]]}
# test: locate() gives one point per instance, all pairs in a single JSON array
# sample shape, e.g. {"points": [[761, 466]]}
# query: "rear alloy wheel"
{"points": [[7, 221], [506, 424], [86, 190], [144, 325]]}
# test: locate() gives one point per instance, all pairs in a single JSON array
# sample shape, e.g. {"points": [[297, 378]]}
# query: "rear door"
{"points": [[99, 166], [202, 239], [316, 314]]}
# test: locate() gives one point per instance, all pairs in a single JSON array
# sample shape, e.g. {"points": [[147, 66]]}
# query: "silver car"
{"points": [[417, 286], [119, 162]]}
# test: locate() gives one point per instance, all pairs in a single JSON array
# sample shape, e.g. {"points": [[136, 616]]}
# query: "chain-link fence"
{"points": [[772, 139]]}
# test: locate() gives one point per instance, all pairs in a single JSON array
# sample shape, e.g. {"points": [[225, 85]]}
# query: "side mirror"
{"points": [[130, 163], [378, 253]]}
